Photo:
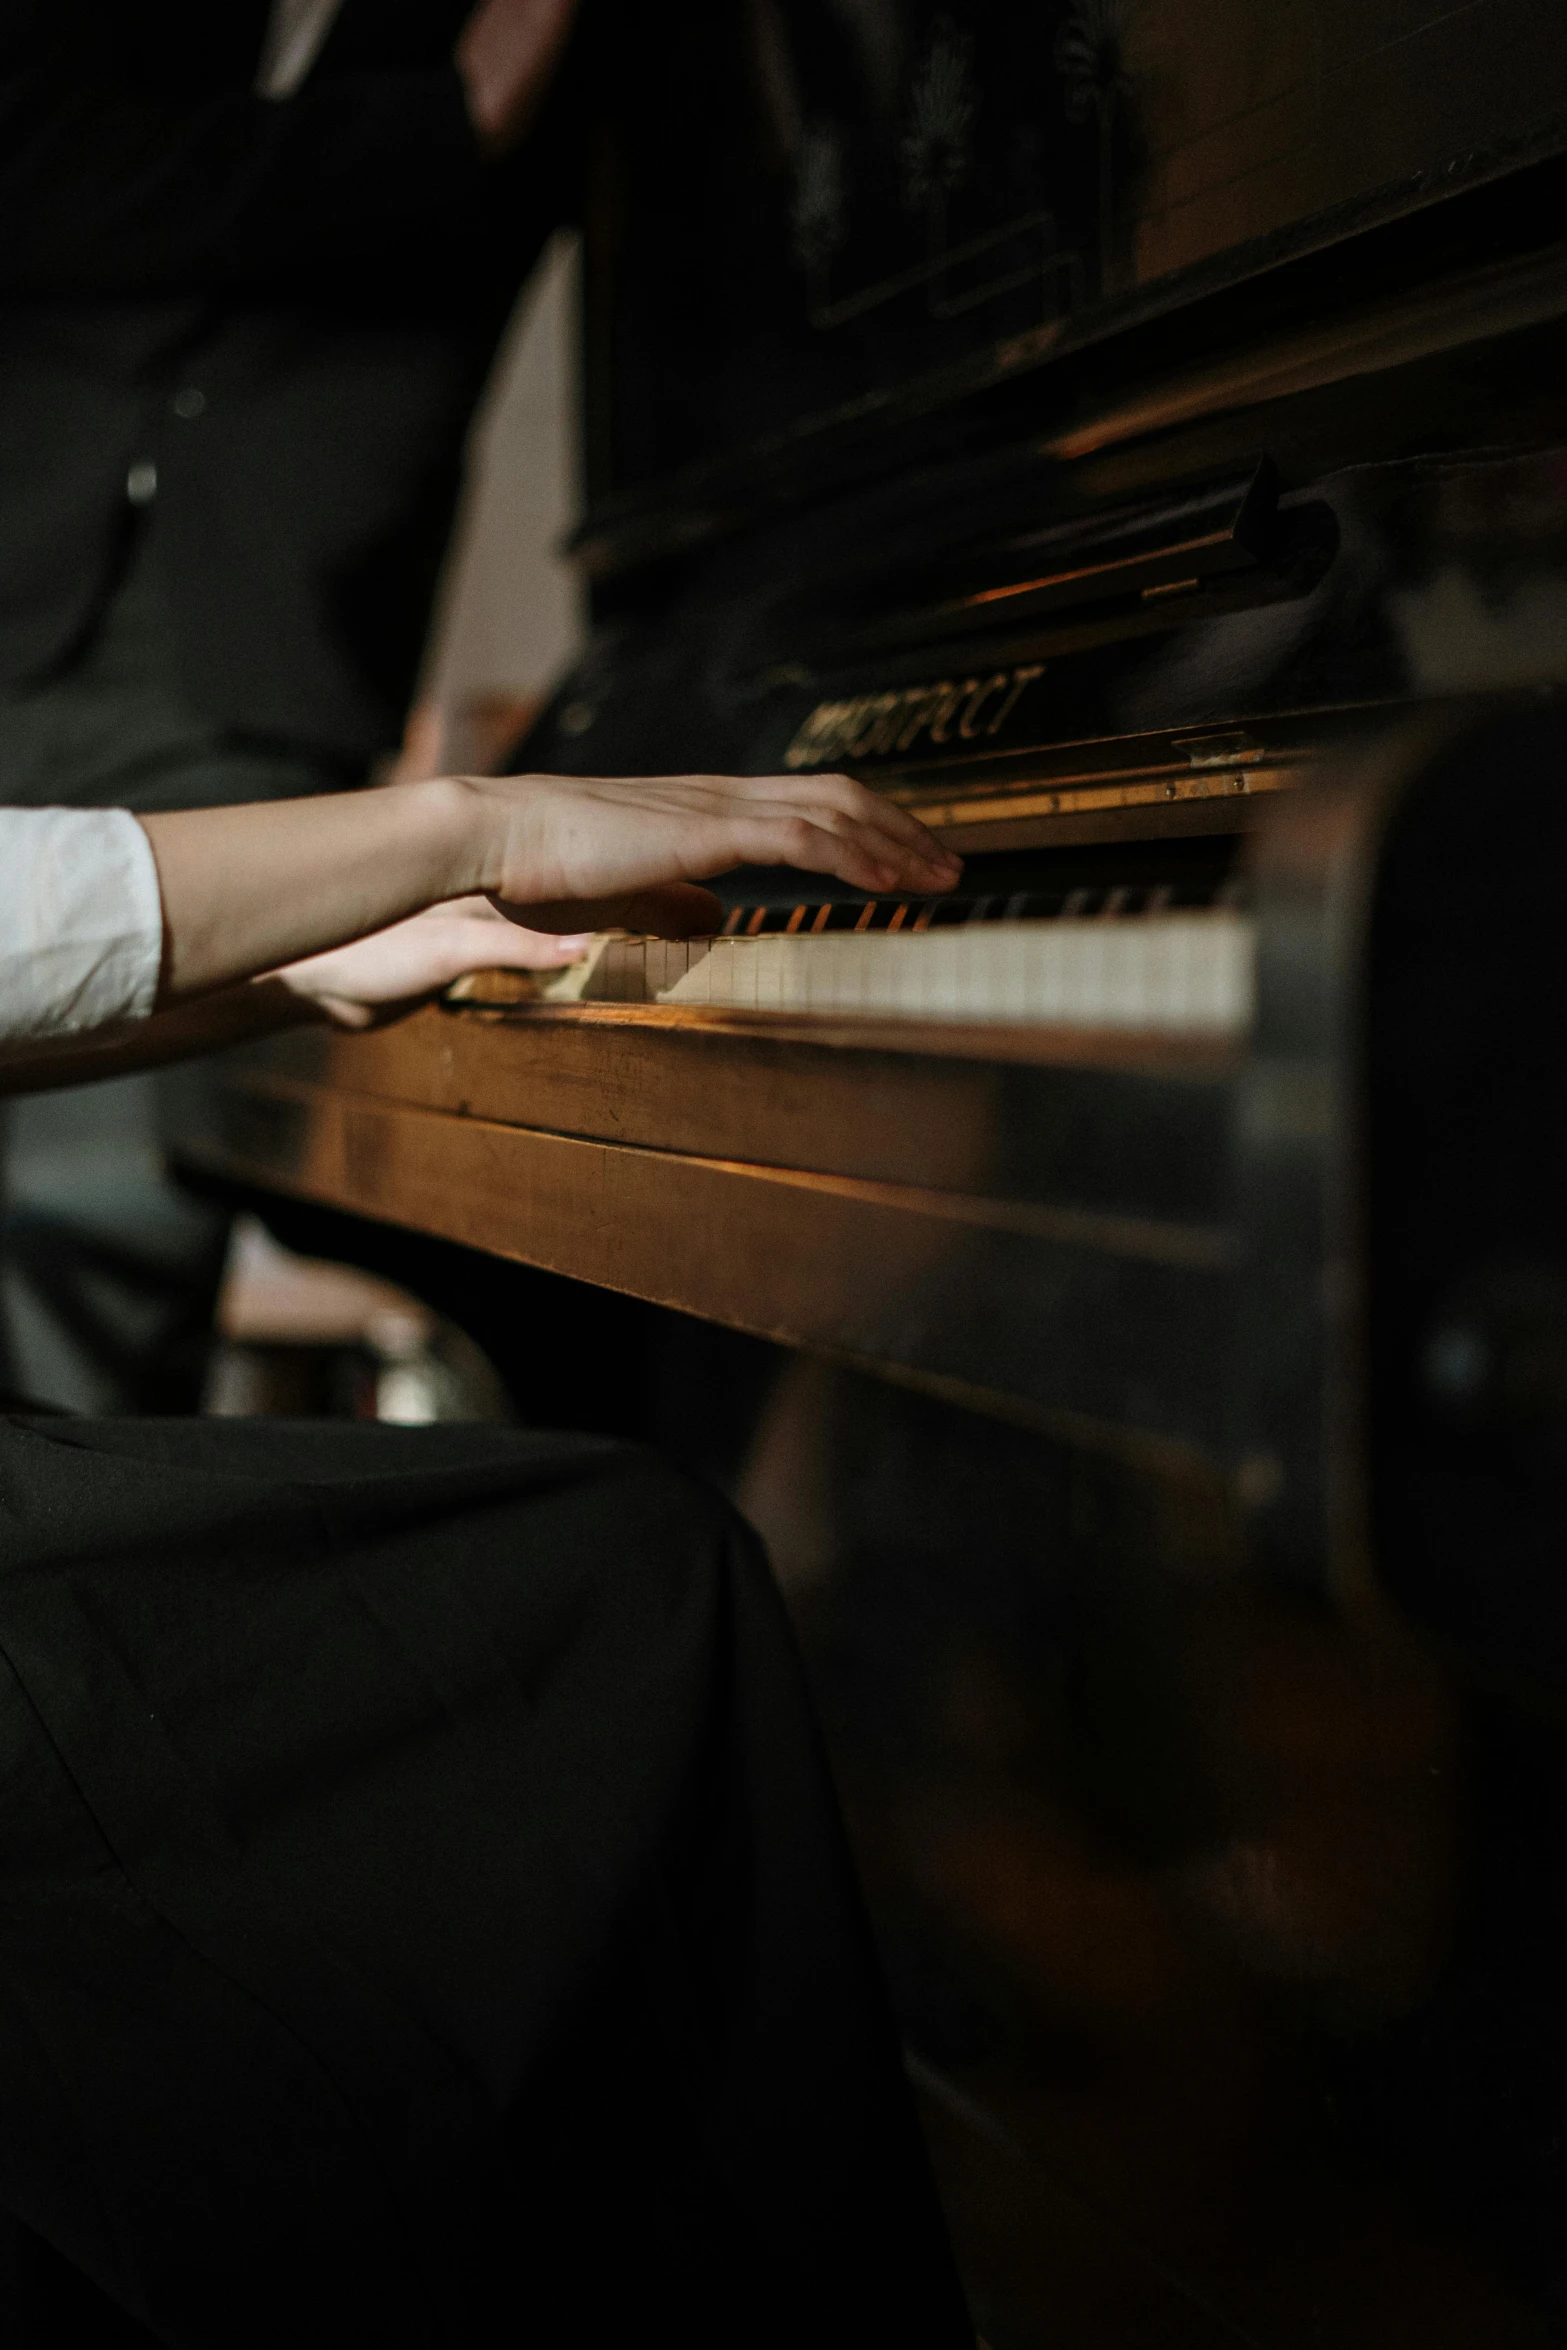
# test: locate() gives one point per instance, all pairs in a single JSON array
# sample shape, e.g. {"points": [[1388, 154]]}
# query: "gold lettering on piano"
{"points": [[1022, 679], [968, 724], [878, 727], [869, 726], [951, 696], [930, 704]]}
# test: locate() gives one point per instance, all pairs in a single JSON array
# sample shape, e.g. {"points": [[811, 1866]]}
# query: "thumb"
{"points": [[511, 947]]}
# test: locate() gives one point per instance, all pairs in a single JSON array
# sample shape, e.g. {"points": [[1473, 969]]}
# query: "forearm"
{"points": [[108, 921], [248, 889]]}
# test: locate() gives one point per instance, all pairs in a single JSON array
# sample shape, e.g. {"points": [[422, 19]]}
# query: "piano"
{"points": [[1136, 439]]}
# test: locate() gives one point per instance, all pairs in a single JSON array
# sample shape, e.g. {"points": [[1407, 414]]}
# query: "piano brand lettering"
{"points": [[872, 726]]}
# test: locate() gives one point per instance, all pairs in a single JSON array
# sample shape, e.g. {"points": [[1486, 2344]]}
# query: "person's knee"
{"points": [[668, 1533]]}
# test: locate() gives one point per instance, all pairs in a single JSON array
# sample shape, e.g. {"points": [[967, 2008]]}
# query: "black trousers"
{"points": [[424, 1917]]}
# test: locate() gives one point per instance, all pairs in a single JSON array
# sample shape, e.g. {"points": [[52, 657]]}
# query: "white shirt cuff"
{"points": [[81, 921]]}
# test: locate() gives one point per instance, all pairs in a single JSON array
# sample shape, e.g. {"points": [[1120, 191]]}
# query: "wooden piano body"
{"points": [[1164, 1454]]}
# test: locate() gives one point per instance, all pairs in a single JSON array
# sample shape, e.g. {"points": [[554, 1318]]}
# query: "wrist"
{"points": [[456, 827]]}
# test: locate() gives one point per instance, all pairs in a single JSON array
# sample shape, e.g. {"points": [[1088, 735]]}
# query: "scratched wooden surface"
{"points": [[1252, 114]]}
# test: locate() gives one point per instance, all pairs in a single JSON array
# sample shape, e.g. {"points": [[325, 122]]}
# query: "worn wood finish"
{"points": [[1015, 1305], [1132, 1123]]}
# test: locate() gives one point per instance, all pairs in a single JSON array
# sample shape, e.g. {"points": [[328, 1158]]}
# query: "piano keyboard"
{"points": [[1100, 960]]}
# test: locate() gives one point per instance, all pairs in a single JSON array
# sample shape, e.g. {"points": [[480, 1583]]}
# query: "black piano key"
{"points": [[809, 918]]}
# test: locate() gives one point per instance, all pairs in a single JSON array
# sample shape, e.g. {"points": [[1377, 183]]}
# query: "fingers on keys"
{"points": [[831, 824]]}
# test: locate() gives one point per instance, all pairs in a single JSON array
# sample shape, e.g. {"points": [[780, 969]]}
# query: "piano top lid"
{"points": [[1451, 253]]}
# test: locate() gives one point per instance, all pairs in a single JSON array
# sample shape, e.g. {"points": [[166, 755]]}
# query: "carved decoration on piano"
{"points": [[936, 162], [801, 205], [938, 144], [819, 216], [1091, 57]]}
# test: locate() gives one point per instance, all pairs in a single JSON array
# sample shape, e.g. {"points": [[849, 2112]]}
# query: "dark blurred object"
{"points": [[1156, 1430], [565, 1354], [808, 224], [1196, 1692], [210, 295], [301, 1338], [47, 2304]]}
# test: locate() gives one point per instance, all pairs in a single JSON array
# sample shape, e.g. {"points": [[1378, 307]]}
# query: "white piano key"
{"points": [[1186, 972], [1183, 971]]}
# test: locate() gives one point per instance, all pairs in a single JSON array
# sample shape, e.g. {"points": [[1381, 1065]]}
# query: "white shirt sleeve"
{"points": [[81, 921], [295, 31]]}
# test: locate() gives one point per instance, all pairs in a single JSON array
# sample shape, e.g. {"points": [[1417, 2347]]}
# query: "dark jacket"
{"points": [[286, 308]]}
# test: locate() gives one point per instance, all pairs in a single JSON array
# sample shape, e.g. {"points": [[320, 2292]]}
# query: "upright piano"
{"points": [[1135, 438]]}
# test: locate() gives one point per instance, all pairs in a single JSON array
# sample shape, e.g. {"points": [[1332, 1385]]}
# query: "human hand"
{"points": [[611, 853], [280, 885], [505, 57], [381, 977]]}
